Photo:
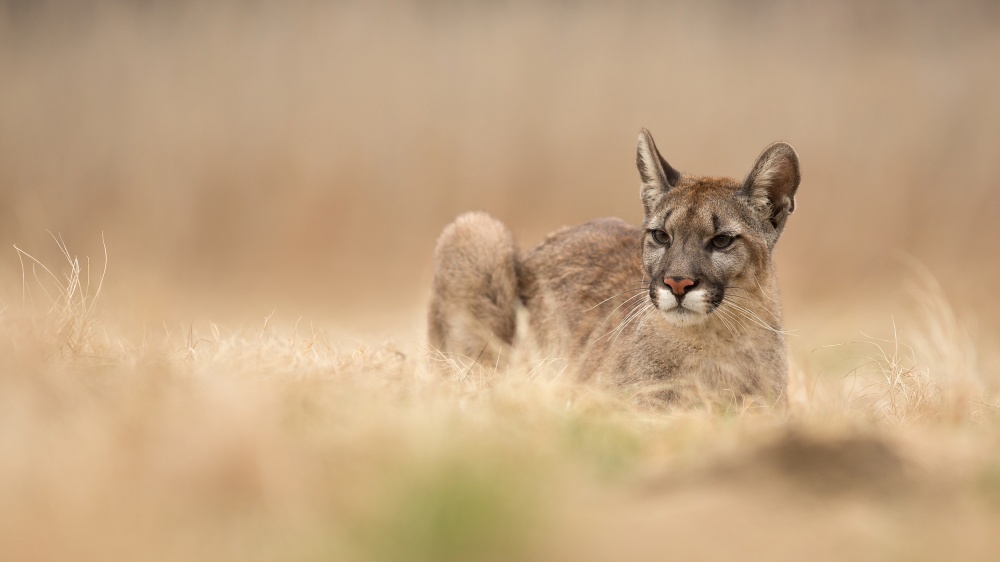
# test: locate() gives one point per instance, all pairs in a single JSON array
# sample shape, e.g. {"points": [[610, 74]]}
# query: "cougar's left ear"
{"points": [[657, 176], [772, 183]]}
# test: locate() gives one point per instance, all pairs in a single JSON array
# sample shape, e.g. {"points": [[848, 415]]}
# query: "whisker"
{"points": [[645, 316], [649, 312], [624, 324], [639, 289], [771, 299], [753, 317], [736, 316], [639, 294], [753, 298], [725, 323], [635, 310], [750, 315], [635, 307], [738, 323], [748, 301]]}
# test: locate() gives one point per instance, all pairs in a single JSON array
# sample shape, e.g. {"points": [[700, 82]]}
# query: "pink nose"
{"points": [[678, 285]]}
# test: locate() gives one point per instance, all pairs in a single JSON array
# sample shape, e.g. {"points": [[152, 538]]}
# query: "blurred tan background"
{"points": [[301, 157]]}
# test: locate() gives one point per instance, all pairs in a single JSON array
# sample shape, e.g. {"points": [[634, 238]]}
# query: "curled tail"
{"points": [[474, 301]]}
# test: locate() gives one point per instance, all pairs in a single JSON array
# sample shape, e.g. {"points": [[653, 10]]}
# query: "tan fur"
{"points": [[596, 294], [475, 300]]}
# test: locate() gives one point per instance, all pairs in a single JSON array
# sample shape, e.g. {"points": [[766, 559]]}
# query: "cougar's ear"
{"points": [[772, 182], [657, 176]]}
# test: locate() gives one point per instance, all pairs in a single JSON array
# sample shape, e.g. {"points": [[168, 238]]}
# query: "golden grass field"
{"points": [[219, 218]]}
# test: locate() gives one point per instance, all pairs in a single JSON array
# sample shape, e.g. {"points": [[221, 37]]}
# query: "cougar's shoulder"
{"points": [[565, 281], [579, 260]]}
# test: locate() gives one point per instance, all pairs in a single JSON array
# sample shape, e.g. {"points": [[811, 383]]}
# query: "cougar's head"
{"points": [[706, 237]]}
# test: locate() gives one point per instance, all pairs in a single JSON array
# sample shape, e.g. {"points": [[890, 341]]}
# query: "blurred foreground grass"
{"points": [[278, 442]]}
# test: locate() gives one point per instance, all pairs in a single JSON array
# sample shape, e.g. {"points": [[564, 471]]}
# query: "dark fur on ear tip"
{"points": [[653, 168]]}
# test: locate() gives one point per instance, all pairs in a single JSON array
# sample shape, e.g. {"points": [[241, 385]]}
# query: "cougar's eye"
{"points": [[722, 241], [660, 236]]}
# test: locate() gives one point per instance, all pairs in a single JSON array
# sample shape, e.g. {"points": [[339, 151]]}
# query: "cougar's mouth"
{"points": [[695, 306]]}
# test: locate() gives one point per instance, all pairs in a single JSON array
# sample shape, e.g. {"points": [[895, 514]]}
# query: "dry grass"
{"points": [[260, 185], [282, 443]]}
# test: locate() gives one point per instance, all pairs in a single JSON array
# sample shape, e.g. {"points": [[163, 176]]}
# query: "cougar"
{"points": [[683, 305]]}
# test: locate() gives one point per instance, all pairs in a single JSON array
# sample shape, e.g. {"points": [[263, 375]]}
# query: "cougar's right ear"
{"points": [[657, 176]]}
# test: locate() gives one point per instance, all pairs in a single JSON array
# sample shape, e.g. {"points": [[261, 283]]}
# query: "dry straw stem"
{"points": [[71, 302], [932, 374]]}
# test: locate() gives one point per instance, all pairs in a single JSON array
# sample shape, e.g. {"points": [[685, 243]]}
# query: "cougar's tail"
{"points": [[474, 302]]}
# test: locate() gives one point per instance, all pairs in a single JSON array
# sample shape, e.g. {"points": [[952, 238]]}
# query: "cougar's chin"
{"points": [[694, 308]]}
